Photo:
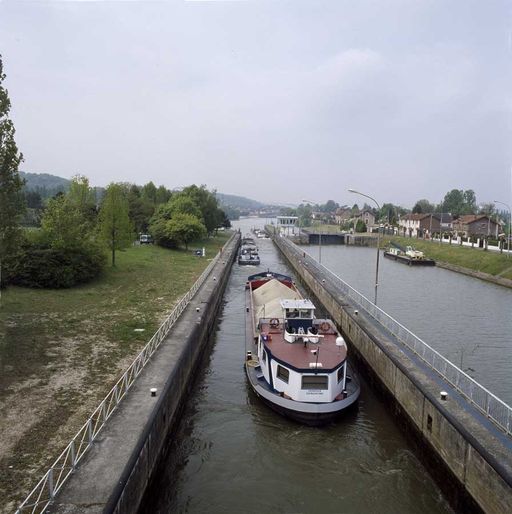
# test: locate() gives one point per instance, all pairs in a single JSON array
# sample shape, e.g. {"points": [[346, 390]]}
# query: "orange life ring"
{"points": [[324, 326], [274, 323]]}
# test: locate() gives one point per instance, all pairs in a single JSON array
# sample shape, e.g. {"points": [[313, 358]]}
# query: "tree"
{"points": [[329, 206], [163, 195], [423, 207], [185, 228], [487, 208], [11, 198], [33, 200], [115, 226], [305, 214], [361, 226], [83, 198], [469, 201], [207, 202], [63, 224], [140, 210], [389, 213], [149, 192], [181, 203], [460, 202]]}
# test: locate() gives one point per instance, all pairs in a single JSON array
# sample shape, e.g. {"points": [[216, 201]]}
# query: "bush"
{"points": [[40, 266]]}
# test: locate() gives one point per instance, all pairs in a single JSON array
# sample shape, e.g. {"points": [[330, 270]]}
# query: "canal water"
{"points": [[468, 321], [232, 454]]}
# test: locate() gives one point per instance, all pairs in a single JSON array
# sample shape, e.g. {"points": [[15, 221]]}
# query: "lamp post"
{"points": [[509, 225], [319, 236], [378, 241]]}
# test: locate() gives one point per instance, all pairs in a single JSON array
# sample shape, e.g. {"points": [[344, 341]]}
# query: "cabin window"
{"points": [[341, 373], [283, 373], [264, 355], [314, 382]]}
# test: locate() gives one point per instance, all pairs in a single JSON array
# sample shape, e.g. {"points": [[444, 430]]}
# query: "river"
{"points": [[232, 454]]}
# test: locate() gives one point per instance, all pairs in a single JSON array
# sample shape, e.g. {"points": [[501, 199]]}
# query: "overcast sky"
{"points": [[274, 100]]}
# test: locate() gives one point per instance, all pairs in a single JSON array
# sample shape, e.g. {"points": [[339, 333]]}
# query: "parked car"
{"points": [[145, 239]]}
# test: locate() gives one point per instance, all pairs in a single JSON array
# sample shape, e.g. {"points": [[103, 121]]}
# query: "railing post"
{"points": [[73, 454], [89, 431], [51, 490]]}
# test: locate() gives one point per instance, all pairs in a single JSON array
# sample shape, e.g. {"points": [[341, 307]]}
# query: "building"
{"points": [[419, 225], [342, 215], [476, 225], [287, 224], [368, 218], [322, 217]]}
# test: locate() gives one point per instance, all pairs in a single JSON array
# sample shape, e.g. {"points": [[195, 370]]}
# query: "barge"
{"points": [[296, 363]]}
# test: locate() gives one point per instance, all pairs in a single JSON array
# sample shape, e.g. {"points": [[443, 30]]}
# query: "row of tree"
{"points": [[69, 247], [75, 229], [457, 202]]}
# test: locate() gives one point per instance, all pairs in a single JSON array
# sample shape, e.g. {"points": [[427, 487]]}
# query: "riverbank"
{"points": [[475, 262], [62, 350]]}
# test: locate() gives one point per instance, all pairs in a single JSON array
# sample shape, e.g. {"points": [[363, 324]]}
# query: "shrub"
{"points": [[40, 266]]}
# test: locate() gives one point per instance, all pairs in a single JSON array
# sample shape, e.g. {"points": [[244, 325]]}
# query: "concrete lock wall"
{"points": [[469, 460], [128, 494], [114, 475]]}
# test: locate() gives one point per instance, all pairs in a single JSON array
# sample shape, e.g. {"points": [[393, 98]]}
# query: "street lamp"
{"points": [[319, 236], [378, 241], [509, 224]]}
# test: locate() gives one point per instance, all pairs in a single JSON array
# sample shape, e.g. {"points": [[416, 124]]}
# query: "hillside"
{"points": [[44, 181], [48, 185], [239, 202]]}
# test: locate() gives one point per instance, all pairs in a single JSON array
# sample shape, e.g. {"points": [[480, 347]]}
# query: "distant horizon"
{"points": [[280, 100], [284, 204]]}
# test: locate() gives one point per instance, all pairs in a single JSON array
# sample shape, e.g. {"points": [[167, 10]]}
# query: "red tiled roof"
{"points": [[469, 218]]}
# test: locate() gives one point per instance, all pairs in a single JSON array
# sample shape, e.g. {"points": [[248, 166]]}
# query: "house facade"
{"points": [[477, 225], [342, 215], [418, 225], [368, 218]]}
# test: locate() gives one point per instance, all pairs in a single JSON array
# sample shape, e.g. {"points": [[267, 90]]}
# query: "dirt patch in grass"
{"points": [[61, 351]]}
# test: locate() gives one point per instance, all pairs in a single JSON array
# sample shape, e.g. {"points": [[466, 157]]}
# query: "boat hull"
{"points": [[410, 262], [308, 413]]}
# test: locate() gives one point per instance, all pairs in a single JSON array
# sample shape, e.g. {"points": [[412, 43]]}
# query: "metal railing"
{"points": [[485, 401], [44, 492]]}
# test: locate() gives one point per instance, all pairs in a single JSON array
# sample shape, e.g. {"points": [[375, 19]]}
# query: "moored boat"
{"points": [[407, 255], [248, 252], [296, 363]]}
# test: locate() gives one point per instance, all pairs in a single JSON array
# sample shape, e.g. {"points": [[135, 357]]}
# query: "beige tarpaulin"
{"points": [[267, 299]]}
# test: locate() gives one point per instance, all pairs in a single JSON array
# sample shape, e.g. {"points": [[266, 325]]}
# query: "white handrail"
{"points": [[44, 492], [488, 403]]}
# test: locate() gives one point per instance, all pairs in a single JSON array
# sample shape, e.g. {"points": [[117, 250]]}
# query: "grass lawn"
{"points": [[332, 229], [62, 350], [475, 259]]}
